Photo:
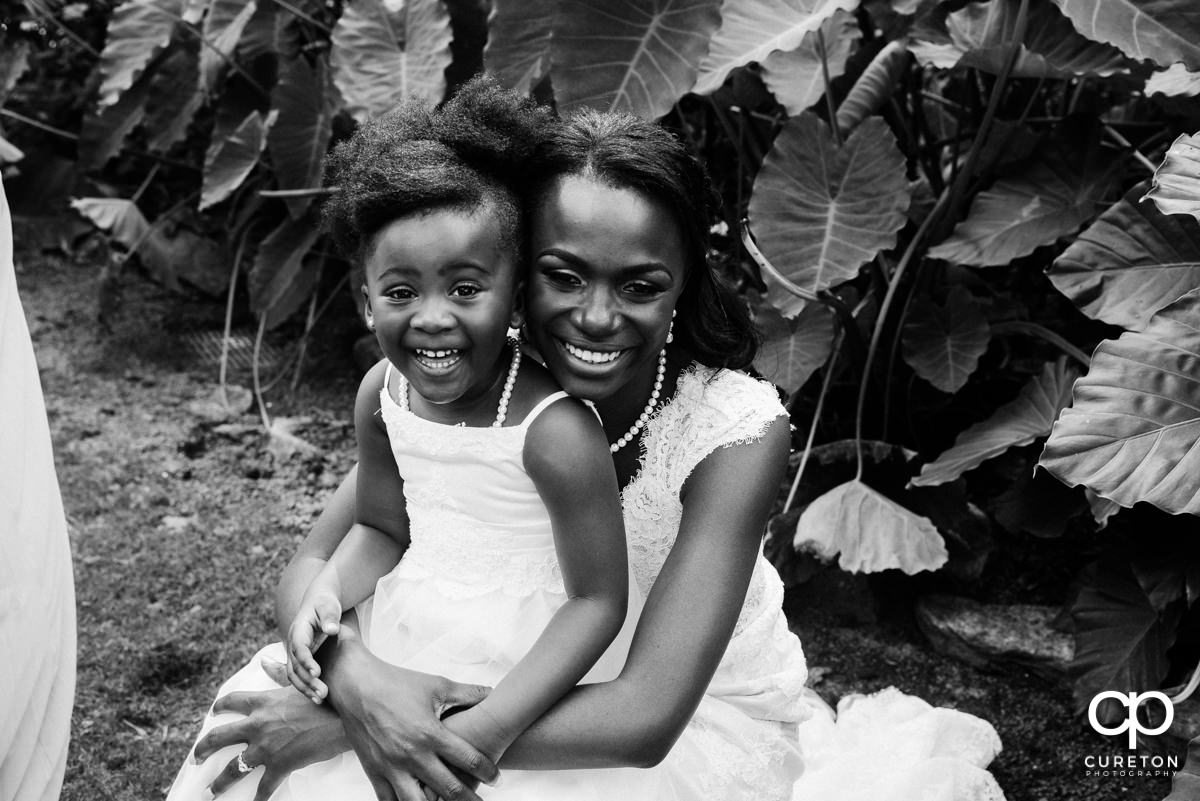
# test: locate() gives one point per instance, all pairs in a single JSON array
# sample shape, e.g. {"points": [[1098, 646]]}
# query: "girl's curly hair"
{"points": [[468, 154]]}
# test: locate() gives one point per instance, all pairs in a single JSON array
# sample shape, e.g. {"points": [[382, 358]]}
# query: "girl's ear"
{"points": [[368, 315], [517, 317]]}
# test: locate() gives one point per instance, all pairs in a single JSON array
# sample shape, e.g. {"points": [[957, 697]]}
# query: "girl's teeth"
{"points": [[436, 354], [592, 356]]}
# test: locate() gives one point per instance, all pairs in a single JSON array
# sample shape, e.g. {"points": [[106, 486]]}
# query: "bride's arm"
{"points": [[684, 628]]}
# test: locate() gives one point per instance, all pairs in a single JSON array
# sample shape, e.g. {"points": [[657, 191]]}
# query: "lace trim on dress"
{"points": [[711, 408], [744, 770]]}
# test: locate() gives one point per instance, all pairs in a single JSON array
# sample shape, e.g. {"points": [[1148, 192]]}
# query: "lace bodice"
{"points": [[714, 409]]}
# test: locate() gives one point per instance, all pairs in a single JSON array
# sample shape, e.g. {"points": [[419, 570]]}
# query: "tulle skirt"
{"points": [[752, 738]]}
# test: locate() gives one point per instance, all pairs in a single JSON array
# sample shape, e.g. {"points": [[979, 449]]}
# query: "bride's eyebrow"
{"points": [[562, 255]]}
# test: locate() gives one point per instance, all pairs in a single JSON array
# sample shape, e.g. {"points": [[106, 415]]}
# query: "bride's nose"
{"points": [[598, 315]]}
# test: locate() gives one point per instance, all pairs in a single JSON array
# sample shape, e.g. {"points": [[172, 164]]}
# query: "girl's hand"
{"points": [[481, 730], [316, 620], [282, 731], [392, 718]]}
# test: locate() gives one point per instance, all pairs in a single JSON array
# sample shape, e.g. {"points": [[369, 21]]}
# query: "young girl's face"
{"points": [[440, 292], [607, 271]]}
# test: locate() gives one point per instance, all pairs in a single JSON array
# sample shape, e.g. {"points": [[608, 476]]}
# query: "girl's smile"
{"points": [[440, 296]]}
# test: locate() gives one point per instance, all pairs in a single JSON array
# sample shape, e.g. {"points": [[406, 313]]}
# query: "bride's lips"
{"points": [[591, 359]]}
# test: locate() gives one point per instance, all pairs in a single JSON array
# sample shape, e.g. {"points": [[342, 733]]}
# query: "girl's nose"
{"points": [[597, 317], [433, 316]]}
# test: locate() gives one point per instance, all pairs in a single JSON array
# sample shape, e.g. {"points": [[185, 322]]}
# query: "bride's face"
{"points": [[607, 270]]}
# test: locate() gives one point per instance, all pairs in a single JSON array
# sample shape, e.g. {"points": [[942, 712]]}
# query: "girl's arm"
{"points": [[567, 457], [683, 629], [371, 548], [330, 529]]}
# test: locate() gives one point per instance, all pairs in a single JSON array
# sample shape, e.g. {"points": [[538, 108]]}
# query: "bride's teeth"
{"points": [[592, 356]]}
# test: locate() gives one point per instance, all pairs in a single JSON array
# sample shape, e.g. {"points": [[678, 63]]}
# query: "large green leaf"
{"points": [[792, 349], [1174, 81], [175, 97], [105, 130], [943, 343], [1176, 183], [1121, 642], [870, 531], [980, 35], [120, 217], [1162, 31], [230, 160], [518, 47], [752, 31], [223, 27], [137, 30], [1019, 422], [638, 56], [1130, 262], [307, 103], [873, 88], [795, 76], [381, 57], [820, 212], [1019, 214], [280, 262], [1133, 432]]}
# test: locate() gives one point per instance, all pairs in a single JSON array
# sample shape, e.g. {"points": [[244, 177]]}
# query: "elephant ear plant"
{"points": [[967, 230]]}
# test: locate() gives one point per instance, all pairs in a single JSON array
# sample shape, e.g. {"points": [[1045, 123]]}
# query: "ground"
{"points": [[180, 524]]}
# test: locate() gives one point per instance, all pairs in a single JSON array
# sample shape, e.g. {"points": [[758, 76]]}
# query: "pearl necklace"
{"points": [[505, 394], [648, 410]]}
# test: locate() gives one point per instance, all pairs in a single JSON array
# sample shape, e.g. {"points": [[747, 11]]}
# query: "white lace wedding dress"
{"points": [[742, 743], [467, 599]]}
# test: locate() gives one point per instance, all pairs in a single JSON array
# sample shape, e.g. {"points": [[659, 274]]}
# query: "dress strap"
{"points": [[541, 407]]}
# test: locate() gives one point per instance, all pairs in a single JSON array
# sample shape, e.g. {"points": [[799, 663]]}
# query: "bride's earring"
{"points": [[671, 329]]}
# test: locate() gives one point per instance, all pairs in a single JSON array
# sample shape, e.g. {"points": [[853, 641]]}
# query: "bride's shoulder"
{"points": [[728, 405], [730, 392]]}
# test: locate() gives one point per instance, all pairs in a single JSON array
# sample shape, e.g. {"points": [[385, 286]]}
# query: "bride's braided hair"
{"points": [[467, 154]]}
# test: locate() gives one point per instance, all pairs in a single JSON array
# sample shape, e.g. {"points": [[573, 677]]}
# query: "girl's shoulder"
{"points": [[371, 387]]}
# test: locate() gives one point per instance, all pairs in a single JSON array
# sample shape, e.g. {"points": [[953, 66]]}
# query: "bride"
{"points": [[713, 686]]}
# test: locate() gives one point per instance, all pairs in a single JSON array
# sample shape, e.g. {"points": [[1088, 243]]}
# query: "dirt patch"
{"points": [[180, 525]]}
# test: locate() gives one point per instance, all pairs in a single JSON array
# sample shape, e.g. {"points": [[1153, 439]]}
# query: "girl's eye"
{"points": [[465, 291], [400, 293]]}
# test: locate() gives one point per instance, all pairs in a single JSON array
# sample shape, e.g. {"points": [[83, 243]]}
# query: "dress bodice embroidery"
{"points": [[471, 504]]}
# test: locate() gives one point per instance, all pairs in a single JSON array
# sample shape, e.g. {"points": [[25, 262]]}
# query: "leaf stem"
{"points": [[1115, 135], [881, 319], [39, 125], [826, 381], [829, 104], [1040, 331]]}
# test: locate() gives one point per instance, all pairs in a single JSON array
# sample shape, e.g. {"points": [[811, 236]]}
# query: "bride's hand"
{"points": [[283, 731], [392, 717]]}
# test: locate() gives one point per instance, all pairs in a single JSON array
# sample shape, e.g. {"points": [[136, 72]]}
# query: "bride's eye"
{"points": [[562, 278], [642, 289]]}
